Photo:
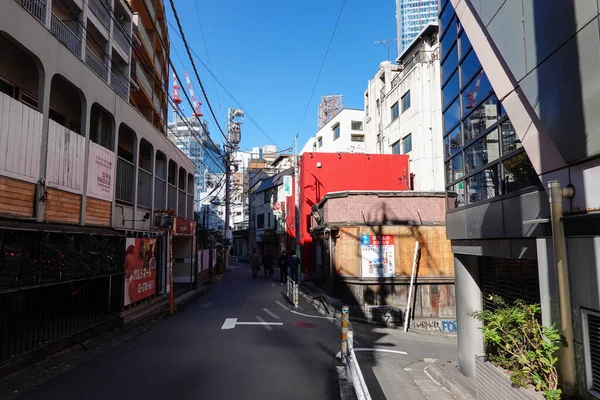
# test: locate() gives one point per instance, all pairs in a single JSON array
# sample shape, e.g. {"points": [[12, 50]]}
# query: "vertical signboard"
{"points": [[140, 269], [100, 173], [287, 185], [377, 256]]}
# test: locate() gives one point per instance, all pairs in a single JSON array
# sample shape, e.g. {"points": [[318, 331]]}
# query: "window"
{"points": [[407, 144], [482, 152], [357, 138], [469, 67], [336, 132], [267, 196], [450, 90], [518, 173], [260, 221], [356, 125], [453, 141], [395, 112], [405, 101], [7, 88], [450, 63], [591, 350], [452, 115], [319, 142], [396, 148], [481, 119], [510, 140], [477, 90], [454, 168], [484, 185]]}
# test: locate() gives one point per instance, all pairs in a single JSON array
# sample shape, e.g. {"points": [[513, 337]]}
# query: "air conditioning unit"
{"points": [[163, 221]]}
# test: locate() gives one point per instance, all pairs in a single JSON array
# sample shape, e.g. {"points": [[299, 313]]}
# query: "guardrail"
{"points": [[292, 291], [353, 373]]}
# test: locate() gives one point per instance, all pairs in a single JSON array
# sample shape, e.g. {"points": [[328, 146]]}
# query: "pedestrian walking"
{"points": [[254, 263], [283, 267], [268, 264], [294, 264]]}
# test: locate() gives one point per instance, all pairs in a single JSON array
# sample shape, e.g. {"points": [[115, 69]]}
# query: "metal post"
{"points": [[295, 295], [298, 248], [567, 358], [227, 199], [410, 290], [345, 323]]}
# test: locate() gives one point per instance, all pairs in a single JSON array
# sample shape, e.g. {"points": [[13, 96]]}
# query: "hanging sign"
{"points": [[287, 185]]}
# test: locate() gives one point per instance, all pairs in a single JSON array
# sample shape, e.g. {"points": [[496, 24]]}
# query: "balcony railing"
{"points": [[160, 194], [121, 37], [120, 84], [151, 9], [144, 199], [102, 10], [125, 181], [181, 205], [37, 8], [143, 79], [172, 201], [157, 66], [139, 25], [97, 65], [157, 104], [63, 33], [396, 81]]}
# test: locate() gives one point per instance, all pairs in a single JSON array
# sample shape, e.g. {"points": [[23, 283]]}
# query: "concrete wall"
{"points": [[344, 143]]}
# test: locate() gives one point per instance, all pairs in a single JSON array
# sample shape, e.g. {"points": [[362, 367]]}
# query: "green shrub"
{"points": [[516, 341]]}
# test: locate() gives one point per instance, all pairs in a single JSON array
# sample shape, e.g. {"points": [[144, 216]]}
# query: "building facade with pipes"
{"points": [[520, 111], [403, 110], [83, 168]]}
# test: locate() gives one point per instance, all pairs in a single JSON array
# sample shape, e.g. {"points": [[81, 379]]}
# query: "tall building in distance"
{"points": [[411, 17]]}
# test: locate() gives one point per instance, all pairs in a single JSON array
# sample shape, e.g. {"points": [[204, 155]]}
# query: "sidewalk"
{"points": [[426, 371]]}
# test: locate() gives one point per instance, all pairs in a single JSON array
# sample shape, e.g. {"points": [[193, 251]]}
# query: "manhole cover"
{"points": [[303, 325]]}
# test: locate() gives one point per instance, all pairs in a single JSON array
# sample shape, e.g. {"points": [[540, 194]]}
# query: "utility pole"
{"points": [[297, 202], [235, 118]]}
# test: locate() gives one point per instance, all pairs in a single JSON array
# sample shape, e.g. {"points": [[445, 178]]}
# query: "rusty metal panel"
{"points": [[66, 157], [20, 140], [101, 173]]}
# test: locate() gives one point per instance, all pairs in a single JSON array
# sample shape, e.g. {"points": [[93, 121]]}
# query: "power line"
{"points": [[209, 70], [187, 48], [322, 65]]}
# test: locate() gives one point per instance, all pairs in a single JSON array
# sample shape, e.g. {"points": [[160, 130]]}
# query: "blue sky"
{"points": [[267, 54]]}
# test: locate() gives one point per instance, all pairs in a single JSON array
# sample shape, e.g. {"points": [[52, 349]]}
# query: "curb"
{"points": [[453, 386]]}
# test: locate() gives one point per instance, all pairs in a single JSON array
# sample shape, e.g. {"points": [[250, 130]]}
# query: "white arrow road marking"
{"points": [[271, 313], [231, 323], [356, 350]]}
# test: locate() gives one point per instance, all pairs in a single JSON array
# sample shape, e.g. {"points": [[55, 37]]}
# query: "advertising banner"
{"points": [[377, 256], [184, 227], [140, 269], [100, 173], [287, 185]]}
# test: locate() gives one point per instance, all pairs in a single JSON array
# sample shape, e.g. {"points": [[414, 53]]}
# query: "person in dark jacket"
{"points": [[255, 263], [283, 267], [294, 264], [268, 264]]}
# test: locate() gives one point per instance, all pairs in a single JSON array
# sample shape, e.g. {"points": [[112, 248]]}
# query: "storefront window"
{"points": [[484, 185], [452, 115], [480, 120], [519, 173], [482, 152]]}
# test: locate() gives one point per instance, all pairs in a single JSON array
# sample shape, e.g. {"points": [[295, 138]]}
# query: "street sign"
{"points": [[287, 185]]}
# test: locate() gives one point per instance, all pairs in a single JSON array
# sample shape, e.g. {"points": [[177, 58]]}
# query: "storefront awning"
{"points": [[57, 228]]}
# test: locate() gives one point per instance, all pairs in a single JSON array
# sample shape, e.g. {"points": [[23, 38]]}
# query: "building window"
{"points": [[357, 138], [319, 142], [396, 148], [405, 101], [336, 131], [518, 173], [407, 144], [591, 350], [260, 221], [395, 112], [357, 125]]}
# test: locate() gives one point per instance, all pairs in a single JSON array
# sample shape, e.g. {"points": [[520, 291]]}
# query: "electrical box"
{"points": [[163, 221]]}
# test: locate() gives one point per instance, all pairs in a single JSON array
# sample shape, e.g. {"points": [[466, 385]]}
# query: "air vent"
{"points": [[591, 326]]}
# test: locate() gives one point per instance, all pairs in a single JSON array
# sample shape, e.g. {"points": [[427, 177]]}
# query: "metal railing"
{"points": [[160, 194], [144, 35], [151, 9], [125, 180], [102, 10], [37, 8], [353, 373], [97, 65], [144, 198], [292, 291], [181, 205], [144, 82], [63, 33], [396, 81], [157, 104], [121, 37], [120, 85], [172, 200]]}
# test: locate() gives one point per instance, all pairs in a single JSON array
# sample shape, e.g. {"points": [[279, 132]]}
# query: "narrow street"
{"points": [[241, 340]]}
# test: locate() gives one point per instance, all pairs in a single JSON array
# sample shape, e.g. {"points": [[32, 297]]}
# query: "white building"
{"points": [[344, 133], [403, 110]]}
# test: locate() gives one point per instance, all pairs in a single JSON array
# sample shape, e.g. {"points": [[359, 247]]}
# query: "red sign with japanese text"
{"points": [[140, 269], [381, 240], [184, 227]]}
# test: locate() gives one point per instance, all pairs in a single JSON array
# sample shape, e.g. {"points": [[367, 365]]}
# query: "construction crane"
{"points": [[473, 95], [195, 103], [176, 99]]}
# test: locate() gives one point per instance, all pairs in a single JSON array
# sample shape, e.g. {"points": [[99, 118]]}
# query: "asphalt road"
{"points": [[189, 355]]}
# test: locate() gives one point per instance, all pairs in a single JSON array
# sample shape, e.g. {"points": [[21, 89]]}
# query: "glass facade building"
{"points": [[411, 17], [484, 158]]}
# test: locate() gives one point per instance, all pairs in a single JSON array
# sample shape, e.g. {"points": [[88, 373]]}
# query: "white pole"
{"points": [[410, 290]]}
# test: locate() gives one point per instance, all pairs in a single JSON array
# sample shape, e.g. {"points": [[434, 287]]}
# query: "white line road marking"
{"points": [[229, 323], [259, 323], [304, 315], [271, 313], [356, 350], [267, 327]]}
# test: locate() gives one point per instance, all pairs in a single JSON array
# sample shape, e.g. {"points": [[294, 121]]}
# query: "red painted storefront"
{"points": [[322, 173]]}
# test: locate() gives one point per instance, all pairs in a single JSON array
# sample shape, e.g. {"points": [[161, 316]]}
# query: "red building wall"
{"points": [[322, 173]]}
